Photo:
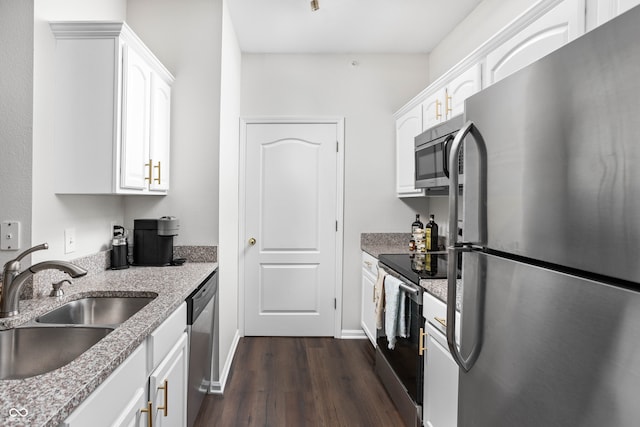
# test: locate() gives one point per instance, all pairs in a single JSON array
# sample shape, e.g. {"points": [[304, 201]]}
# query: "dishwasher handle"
{"points": [[197, 301]]}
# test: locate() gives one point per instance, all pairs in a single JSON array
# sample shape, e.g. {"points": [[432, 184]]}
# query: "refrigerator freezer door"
{"points": [[557, 350], [563, 149]]}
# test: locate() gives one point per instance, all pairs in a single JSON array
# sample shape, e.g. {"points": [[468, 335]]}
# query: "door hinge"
{"points": [[335, 303], [336, 225], [337, 146]]}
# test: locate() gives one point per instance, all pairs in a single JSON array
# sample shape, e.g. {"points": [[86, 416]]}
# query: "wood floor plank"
{"points": [[287, 381]]}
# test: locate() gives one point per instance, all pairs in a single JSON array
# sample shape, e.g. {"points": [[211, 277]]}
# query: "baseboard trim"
{"points": [[217, 387], [353, 334]]}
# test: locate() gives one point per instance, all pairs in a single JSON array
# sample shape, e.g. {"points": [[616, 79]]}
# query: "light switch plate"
{"points": [[69, 240], [10, 235]]}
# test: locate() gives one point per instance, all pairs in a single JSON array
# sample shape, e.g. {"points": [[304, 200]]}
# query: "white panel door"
{"points": [[291, 212], [407, 128]]}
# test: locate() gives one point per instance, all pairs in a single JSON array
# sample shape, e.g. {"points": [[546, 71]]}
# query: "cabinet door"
{"points": [[118, 394], [136, 101], [159, 138], [460, 89], [440, 383], [407, 128], [433, 109], [557, 27], [601, 11], [368, 306], [168, 387], [136, 413]]}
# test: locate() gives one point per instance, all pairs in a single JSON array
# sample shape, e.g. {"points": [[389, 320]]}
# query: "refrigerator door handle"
{"points": [[466, 363]]}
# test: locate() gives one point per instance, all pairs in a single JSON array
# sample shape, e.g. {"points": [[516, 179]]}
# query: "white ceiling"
{"points": [[345, 26]]}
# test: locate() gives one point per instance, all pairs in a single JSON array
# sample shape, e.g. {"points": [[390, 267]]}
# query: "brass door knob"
{"points": [[252, 241]]}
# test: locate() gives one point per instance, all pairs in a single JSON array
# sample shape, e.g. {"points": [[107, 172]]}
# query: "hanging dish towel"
{"points": [[394, 310], [378, 296]]}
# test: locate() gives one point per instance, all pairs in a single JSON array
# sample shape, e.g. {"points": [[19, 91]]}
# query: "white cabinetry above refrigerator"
{"points": [[113, 102]]}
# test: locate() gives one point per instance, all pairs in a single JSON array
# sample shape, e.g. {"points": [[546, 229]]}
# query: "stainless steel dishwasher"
{"points": [[201, 317]]}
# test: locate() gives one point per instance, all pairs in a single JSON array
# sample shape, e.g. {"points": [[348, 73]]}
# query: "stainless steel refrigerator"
{"points": [[550, 315]]}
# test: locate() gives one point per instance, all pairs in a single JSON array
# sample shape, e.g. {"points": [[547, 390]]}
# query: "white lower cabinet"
{"points": [[130, 395], [368, 306], [113, 402], [168, 387], [441, 382], [440, 403]]}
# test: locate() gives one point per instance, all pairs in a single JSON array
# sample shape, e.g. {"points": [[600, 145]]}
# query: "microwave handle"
{"points": [[445, 155]]}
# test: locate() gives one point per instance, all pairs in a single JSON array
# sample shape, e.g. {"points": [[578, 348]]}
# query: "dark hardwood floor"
{"points": [[297, 382]]}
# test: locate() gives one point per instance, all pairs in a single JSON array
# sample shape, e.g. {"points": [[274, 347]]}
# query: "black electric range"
{"points": [[416, 266]]}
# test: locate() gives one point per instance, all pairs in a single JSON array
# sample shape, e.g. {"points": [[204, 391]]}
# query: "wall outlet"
{"points": [[10, 235], [69, 240]]}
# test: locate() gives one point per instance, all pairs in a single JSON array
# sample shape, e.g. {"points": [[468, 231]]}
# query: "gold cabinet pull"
{"points": [[447, 102], [165, 387], [252, 241], [149, 411], [438, 113], [158, 179], [149, 169], [421, 346], [442, 321]]}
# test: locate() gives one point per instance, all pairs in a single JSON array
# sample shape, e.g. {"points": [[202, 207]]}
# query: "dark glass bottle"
{"points": [[416, 224], [417, 235], [431, 231]]}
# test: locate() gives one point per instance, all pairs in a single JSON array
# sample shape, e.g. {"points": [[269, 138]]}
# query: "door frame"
{"points": [[242, 246]]}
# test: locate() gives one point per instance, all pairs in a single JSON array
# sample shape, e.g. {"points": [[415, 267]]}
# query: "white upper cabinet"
{"points": [[159, 141], [551, 31], [113, 108], [408, 126], [449, 100], [601, 11]]}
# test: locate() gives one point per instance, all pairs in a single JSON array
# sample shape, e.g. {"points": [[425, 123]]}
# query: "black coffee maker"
{"points": [[153, 241]]}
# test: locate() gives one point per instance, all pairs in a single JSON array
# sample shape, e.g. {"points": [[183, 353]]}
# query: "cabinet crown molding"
{"points": [[108, 30], [478, 55]]}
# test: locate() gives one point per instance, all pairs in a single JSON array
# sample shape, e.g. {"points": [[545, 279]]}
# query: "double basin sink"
{"points": [[61, 335]]}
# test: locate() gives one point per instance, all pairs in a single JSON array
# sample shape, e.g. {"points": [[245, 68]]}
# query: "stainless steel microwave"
{"points": [[432, 155]]}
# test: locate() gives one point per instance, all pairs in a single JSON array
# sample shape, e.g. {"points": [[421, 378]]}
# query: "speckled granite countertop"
{"points": [[51, 397], [397, 243], [384, 243]]}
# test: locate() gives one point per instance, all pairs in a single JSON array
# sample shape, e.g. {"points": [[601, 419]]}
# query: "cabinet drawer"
{"points": [[369, 264], [166, 335], [435, 312]]}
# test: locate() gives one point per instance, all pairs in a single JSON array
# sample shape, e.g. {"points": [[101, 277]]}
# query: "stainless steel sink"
{"points": [[26, 352], [96, 310]]}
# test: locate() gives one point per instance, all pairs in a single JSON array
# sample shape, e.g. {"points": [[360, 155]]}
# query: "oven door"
{"points": [[405, 359]]}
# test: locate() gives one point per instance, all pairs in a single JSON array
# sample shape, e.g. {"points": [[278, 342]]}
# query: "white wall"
{"points": [[16, 116], [366, 94], [228, 184], [186, 37], [89, 215]]}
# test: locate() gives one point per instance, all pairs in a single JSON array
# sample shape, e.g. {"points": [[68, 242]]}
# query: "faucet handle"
{"points": [[30, 250]]}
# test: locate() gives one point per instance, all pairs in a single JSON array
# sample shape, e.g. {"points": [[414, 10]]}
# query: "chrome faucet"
{"points": [[13, 280]]}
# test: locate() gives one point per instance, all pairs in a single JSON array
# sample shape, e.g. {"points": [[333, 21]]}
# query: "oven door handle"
{"points": [[409, 289]]}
